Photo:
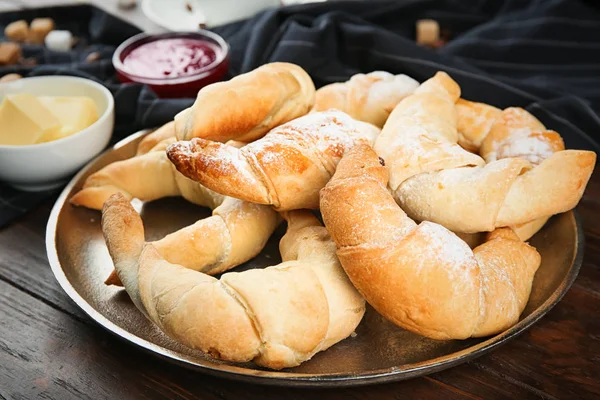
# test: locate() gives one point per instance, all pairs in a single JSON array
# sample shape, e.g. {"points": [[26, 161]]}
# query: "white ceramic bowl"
{"points": [[47, 165], [189, 15]]}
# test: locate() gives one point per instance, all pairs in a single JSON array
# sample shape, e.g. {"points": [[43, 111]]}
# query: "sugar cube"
{"points": [[39, 28], [59, 40], [10, 53], [428, 31], [17, 31]]}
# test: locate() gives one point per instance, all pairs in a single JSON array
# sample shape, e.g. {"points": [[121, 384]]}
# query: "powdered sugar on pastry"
{"points": [[529, 148], [417, 151], [420, 137], [525, 143], [427, 280], [448, 247], [391, 89], [286, 168], [366, 97]]}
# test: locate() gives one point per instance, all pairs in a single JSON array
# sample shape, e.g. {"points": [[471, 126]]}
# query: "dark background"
{"points": [[540, 55]]}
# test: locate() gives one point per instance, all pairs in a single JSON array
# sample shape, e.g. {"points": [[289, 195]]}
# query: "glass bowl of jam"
{"points": [[173, 64]]}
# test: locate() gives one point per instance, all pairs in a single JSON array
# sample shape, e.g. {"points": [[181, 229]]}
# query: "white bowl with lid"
{"points": [[48, 165]]}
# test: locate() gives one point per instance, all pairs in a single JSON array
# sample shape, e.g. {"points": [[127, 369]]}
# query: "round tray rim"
{"points": [[283, 378]]}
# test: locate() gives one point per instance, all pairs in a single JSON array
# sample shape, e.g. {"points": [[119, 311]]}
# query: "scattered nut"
{"points": [[92, 57], [10, 78], [17, 31], [39, 28], [10, 53]]}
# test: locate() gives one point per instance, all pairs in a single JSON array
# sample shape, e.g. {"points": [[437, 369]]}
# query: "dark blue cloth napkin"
{"points": [[541, 55]]}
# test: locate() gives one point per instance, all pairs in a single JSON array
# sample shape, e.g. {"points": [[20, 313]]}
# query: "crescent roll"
{"points": [[246, 107]]}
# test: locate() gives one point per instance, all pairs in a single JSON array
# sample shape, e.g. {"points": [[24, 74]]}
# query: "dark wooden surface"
{"points": [[49, 349]]}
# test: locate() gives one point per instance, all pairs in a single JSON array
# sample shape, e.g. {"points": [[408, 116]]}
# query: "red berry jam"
{"points": [[173, 64], [170, 58]]}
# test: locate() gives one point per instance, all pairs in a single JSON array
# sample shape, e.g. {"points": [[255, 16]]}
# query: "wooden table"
{"points": [[50, 349]]}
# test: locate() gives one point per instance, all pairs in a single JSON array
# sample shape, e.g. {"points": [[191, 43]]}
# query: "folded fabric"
{"points": [[543, 56]]}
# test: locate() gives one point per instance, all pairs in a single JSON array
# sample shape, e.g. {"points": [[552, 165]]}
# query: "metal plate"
{"points": [[380, 351]]}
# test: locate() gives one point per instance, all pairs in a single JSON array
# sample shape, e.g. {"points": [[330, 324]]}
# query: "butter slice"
{"points": [[74, 114], [24, 120]]}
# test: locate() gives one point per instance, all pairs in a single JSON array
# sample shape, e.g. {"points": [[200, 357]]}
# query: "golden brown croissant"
{"points": [[286, 168], [422, 277], [475, 121], [236, 232], [366, 97], [523, 232], [148, 177], [147, 144], [497, 134], [249, 105], [278, 317], [434, 179]]}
